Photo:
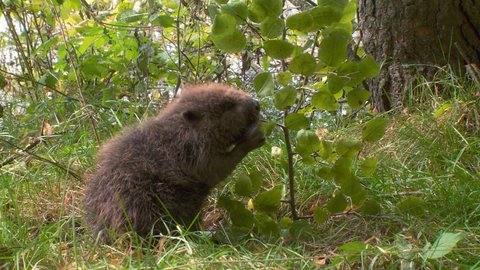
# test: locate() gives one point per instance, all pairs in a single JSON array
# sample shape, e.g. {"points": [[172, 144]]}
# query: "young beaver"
{"points": [[163, 169]]}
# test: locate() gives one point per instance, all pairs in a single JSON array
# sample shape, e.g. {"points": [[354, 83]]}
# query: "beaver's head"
{"points": [[221, 113]]}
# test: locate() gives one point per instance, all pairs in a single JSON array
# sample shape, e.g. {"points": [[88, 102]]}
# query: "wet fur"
{"points": [[165, 167]]}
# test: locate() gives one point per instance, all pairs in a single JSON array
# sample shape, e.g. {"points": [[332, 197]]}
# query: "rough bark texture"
{"points": [[411, 37]]}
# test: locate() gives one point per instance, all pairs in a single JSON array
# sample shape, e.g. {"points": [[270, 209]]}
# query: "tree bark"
{"points": [[414, 37]]}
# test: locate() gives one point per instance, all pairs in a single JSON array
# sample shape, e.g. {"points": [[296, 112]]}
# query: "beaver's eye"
{"points": [[228, 105]]}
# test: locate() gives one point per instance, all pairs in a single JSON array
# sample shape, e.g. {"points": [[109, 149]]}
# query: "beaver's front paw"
{"points": [[253, 139]]}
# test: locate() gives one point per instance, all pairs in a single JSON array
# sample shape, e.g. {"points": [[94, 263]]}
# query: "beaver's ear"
{"points": [[192, 116]]}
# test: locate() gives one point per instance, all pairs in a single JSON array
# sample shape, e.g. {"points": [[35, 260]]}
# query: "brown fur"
{"points": [[165, 167]]}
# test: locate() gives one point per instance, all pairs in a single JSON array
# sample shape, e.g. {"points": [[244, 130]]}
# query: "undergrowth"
{"points": [[428, 152]]}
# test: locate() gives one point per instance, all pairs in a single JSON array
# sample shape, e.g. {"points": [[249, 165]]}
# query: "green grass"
{"points": [[435, 158]]}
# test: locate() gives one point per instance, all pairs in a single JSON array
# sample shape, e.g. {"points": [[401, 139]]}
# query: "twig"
{"points": [[75, 71], [9, 160], [38, 83], [311, 2], [291, 170], [18, 43], [30, 146], [407, 193], [179, 72]]}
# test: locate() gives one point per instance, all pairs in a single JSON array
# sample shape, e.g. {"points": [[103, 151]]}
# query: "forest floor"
{"points": [[432, 153]]}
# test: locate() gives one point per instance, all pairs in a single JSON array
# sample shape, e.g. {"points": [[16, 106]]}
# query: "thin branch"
{"points": [[311, 2], [179, 72], [18, 44], [75, 71], [291, 170], [38, 83], [27, 150], [14, 156]]}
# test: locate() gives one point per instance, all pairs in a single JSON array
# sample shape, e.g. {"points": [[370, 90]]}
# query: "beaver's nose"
{"points": [[257, 105]]}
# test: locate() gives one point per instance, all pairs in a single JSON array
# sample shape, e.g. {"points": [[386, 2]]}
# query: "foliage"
{"points": [[305, 74], [82, 70]]}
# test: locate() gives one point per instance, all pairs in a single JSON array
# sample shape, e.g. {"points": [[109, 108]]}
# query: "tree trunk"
{"points": [[411, 37]]}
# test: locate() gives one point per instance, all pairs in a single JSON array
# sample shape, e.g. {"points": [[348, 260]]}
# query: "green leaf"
{"points": [[303, 64], [221, 1], [302, 21], [162, 20], [350, 185], [242, 217], [108, 94], [326, 150], [359, 198], [67, 8], [232, 43], [301, 229], [338, 4], [371, 207], [325, 15], [46, 46], [342, 168], [49, 18], [256, 179], [350, 73], [92, 67], [49, 80], [348, 147], [307, 142], [285, 222], [324, 100], [278, 49], [443, 245], [374, 129], [297, 121], [350, 11], [445, 107], [228, 204], [337, 204], [352, 248], [335, 83], [369, 67], [267, 127], [412, 205], [324, 172], [284, 78], [127, 16], [272, 27], [239, 215], [285, 97], [238, 9], [260, 9], [87, 41], [333, 48], [357, 97], [243, 185], [268, 201], [34, 5], [267, 226], [224, 25], [213, 11], [263, 84], [321, 215], [76, 4], [368, 166]]}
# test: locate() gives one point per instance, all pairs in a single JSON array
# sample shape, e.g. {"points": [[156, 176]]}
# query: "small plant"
{"points": [[305, 75]]}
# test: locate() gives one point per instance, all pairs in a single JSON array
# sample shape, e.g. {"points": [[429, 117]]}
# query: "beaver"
{"points": [[158, 173]]}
